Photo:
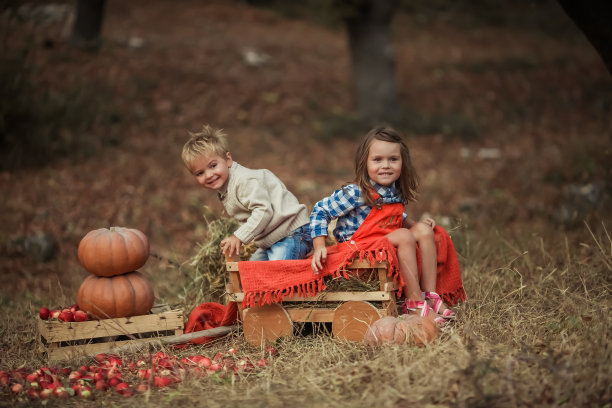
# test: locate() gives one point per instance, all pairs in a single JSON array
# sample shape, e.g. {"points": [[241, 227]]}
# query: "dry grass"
{"points": [[535, 329], [533, 332]]}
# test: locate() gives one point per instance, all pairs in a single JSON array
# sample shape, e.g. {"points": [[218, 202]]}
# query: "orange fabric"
{"points": [[265, 282], [448, 282], [210, 315]]}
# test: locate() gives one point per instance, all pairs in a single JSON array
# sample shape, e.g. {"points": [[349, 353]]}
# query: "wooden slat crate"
{"points": [[66, 340], [350, 313]]}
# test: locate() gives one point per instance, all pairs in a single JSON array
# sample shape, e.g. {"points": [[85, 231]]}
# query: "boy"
{"points": [[269, 213]]}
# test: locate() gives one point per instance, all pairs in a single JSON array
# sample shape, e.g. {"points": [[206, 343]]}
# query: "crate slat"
{"points": [[62, 340]]}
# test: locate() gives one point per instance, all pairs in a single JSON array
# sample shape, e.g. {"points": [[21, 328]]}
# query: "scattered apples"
{"points": [[44, 313]]}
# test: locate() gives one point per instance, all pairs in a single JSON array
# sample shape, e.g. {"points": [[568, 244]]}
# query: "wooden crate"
{"points": [[66, 340], [351, 313]]}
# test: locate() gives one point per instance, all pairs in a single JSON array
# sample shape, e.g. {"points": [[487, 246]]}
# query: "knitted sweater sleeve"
{"points": [[258, 203]]}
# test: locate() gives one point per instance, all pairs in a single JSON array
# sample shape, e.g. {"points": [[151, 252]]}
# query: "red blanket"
{"points": [[265, 282]]}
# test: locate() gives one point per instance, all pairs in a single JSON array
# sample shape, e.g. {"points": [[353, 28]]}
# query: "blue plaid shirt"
{"points": [[347, 205]]}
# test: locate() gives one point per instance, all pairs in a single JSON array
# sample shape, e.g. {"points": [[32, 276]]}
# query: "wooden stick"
{"points": [[178, 339], [185, 337]]}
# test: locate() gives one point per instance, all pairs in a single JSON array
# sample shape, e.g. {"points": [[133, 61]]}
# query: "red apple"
{"points": [[80, 316], [33, 393], [121, 386], [272, 351], [44, 313], [204, 362], [45, 394], [144, 373], [142, 387], [54, 314], [66, 316], [74, 375], [161, 382], [114, 381], [16, 388], [262, 362], [232, 351]]}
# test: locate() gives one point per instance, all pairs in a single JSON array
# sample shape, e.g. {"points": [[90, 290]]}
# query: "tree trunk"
{"points": [[373, 59], [88, 24], [594, 19]]}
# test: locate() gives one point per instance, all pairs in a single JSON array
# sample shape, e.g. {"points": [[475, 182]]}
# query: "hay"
{"points": [[207, 275]]}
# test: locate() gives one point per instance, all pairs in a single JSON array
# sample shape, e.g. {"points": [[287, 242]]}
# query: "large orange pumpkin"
{"points": [[125, 295], [408, 328], [110, 252]]}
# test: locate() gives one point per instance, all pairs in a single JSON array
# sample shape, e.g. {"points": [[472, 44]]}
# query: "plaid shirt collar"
{"points": [[388, 194]]}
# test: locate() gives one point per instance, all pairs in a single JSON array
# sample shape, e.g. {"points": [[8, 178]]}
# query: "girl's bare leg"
{"points": [[424, 235], [405, 243]]}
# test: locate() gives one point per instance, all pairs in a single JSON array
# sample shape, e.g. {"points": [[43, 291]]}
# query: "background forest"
{"points": [[507, 111]]}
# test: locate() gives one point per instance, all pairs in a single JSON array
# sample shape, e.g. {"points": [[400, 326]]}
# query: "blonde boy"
{"points": [[268, 212]]}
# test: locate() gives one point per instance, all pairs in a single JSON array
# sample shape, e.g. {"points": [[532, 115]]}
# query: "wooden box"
{"points": [[66, 340], [351, 313]]}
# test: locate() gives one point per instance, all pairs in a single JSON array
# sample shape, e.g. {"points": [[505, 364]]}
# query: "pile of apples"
{"points": [[64, 314], [110, 372]]}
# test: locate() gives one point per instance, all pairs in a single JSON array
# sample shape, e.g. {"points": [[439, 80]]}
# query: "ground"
{"points": [[501, 120]]}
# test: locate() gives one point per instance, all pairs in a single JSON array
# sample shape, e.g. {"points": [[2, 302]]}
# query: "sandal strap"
{"points": [[438, 303], [413, 305]]}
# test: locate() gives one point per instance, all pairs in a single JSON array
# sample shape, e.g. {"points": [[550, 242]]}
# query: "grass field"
{"points": [[509, 124]]}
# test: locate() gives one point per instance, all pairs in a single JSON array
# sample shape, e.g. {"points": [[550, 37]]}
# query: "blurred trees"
{"points": [[368, 24], [88, 24], [594, 18]]}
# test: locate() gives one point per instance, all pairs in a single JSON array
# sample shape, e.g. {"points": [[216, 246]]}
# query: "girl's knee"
{"points": [[422, 231], [403, 237]]}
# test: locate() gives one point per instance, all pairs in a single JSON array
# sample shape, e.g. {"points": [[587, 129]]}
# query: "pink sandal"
{"points": [[411, 306], [437, 305]]}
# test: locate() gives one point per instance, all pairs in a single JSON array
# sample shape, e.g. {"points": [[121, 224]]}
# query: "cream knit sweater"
{"points": [[258, 199]]}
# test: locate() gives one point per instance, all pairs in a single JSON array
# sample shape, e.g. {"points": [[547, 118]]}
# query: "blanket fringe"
{"points": [[316, 285]]}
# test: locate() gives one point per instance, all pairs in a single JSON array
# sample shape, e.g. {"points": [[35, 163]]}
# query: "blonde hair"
{"points": [[408, 182], [208, 140]]}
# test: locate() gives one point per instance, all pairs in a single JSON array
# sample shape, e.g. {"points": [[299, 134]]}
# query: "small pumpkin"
{"points": [[125, 295], [113, 251], [408, 328]]}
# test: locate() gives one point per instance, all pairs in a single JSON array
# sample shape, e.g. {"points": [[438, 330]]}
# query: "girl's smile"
{"points": [[384, 162]]}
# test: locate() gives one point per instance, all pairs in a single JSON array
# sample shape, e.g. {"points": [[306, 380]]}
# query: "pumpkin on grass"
{"points": [[408, 328], [125, 295], [113, 251]]}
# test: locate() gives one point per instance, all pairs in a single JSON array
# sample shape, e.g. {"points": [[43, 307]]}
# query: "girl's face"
{"points": [[211, 170], [384, 162]]}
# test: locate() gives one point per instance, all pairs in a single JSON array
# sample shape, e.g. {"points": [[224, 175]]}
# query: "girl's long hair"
{"points": [[408, 182]]}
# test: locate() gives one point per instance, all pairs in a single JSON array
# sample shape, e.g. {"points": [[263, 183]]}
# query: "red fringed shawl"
{"points": [[264, 282]]}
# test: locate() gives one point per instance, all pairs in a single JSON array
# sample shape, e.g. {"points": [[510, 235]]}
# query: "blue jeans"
{"points": [[295, 246]]}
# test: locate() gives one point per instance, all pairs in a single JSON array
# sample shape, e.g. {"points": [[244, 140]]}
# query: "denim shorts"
{"points": [[295, 246]]}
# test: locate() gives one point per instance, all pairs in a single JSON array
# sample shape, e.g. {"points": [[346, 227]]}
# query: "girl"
{"points": [[372, 207]]}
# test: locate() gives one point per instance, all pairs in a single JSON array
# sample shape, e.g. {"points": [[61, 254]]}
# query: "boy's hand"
{"points": [[231, 245], [319, 256]]}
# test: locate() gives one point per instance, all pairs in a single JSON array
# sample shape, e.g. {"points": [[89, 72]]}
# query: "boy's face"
{"points": [[384, 162], [211, 170]]}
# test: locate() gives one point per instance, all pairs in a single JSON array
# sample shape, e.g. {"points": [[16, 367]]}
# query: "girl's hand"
{"points": [[231, 245], [429, 222], [319, 257]]}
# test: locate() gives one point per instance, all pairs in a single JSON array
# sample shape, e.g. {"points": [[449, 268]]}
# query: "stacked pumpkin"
{"points": [[114, 287]]}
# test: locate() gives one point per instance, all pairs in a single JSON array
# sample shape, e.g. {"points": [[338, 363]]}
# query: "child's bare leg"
{"points": [[405, 243], [424, 235]]}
